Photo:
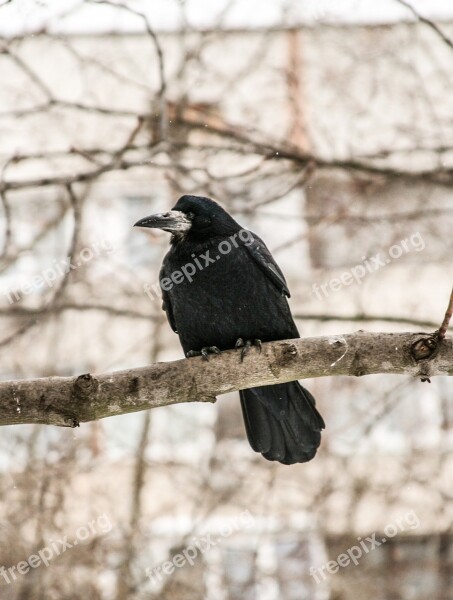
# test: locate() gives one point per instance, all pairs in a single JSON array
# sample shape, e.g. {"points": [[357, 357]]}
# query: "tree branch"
{"points": [[427, 22], [67, 401], [447, 318]]}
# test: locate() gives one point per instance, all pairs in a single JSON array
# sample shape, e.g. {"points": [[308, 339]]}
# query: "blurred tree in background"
{"points": [[327, 130]]}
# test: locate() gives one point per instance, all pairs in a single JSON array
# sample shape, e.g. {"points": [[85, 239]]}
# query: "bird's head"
{"points": [[193, 217]]}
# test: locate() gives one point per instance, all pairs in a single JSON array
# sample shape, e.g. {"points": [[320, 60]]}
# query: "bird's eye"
{"points": [[190, 215]]}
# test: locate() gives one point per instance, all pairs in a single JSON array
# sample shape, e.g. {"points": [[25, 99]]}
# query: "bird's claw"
{"points": [[204, 352], [246, 346]]}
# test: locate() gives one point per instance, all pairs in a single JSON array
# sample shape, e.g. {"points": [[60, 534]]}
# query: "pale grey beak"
{"points": [[173, 221]]}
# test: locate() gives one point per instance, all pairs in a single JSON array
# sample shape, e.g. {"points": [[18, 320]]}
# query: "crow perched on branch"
{"points": [[222, 289]]}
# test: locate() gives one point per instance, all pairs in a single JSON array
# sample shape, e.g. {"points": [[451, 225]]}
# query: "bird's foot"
{"points": [[204, 352], [246, 345]]}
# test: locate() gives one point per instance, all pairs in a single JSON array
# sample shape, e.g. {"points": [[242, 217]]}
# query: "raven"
{"points": [[222, 289]]}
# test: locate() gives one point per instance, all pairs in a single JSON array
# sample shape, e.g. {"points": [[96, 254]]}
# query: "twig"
{"points": [[427, 22], [29, 72], [75, 204], [442, 177], [160, 58], [10, 258], [447, 319], [365, 318], [43, 311], [7, 215], [19, 332], [45, 106]]}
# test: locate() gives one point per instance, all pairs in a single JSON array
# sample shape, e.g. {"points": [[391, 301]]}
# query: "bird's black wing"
{"points": [[166, 304], [264, 259]]}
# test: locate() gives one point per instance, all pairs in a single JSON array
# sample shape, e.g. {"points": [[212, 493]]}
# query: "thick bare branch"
{"points": [[67, 401]]}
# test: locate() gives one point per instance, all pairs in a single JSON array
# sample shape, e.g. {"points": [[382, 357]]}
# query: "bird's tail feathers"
{"points": [[282, 422]]}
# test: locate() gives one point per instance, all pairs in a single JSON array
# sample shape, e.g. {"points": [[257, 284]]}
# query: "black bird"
{"points": [[222, 289]]}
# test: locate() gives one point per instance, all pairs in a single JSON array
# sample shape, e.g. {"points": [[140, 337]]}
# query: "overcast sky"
{"points": [[76, 16]]}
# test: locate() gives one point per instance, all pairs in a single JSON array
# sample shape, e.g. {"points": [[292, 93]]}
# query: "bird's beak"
{"points": [[173, 221]]}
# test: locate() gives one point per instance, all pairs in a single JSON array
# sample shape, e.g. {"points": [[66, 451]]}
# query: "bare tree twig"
{"points": [[126, 580], [24, 311], [427, 22], [54, 103], [160, 58], [19, 332], [447, 318], [10, 259], [7, 215], [443, 177], [365, 318], [74, 241], [25, 67]]}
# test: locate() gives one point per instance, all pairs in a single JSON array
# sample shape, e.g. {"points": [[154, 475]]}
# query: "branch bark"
{"points": [[67, 401]]}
